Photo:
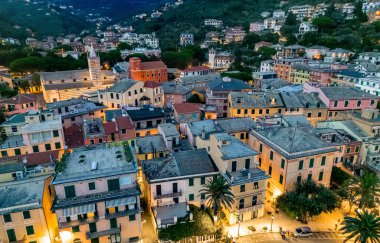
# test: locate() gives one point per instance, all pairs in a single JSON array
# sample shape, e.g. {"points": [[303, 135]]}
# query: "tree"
{"points": [[322, 22], [217, 193], [28, 64], [348, 192], [307, 200], [358, 11], [124, 46], [266, 52], [339, 176], [179, 60], [291, 19], [368, 189], [24, 85], [36, 80], [194, 99], [365, 227]]}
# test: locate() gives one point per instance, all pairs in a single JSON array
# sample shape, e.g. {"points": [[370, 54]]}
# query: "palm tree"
{"points": [[367, 187], [217, 193], [365, 227]]}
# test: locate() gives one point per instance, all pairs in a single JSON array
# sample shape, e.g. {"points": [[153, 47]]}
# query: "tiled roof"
{"points": [[184, 108], [21, 99], [148, 144], [195, 69], [124, 123], [180, 164], [153, 65], [109, 127], [228, 84], [144, 114], [152, 84], [122, 86], [345, 92]]}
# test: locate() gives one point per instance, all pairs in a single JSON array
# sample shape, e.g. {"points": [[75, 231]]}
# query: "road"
{"points": [[276, 237]]}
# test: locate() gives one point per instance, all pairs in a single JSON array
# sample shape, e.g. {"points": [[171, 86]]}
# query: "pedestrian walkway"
{"points": [[272, 236]]}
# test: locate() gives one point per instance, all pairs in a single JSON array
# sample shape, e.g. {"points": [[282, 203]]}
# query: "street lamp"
{"points": [[271, 224], [238, 221]]}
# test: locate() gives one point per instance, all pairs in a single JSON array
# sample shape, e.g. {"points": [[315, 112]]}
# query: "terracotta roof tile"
{"points": [[152, 65], [184, 108], [21, 99], [152, 84], [109, 127], [124, 123]]}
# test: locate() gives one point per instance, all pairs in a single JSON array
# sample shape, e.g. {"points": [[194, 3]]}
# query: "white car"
{"points": [[303, 232]]}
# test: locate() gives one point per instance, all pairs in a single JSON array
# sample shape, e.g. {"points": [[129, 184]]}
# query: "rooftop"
{"points": [[185, 108], [20, 99], [293, 142], [153, 65], [172, 88], [345, 92], [169, 129], [12, 142], [22, 195], [81, 107], [198, 78], [310, 100], [109, 114], [256, 99], [150, 144], [232, 148], [16, 119], [195, 69], [229, 125], [179, 164], [152, 84], [105, 156], [228, 84], [122, 86], [351, 73], [146, 114]]}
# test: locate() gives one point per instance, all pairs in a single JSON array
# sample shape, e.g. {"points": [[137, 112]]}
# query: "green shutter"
{"points": [[92, 227], [57, 145], [113, 184], [29, 230], [299, 179], [91, 186], [75, 229], [281, 179], [11, 235], [47, 147], [311, 164], [55, 133], [203, 196], [113, 223], [17, 151], [191, 197], [191, 181], [7, 218], [271, 155], [320, 175], [323, 160], [300, 165], [132, 217], [309, 176], [203, 180], [26, 214], [282, 163], [70, 191], [261, 147]]}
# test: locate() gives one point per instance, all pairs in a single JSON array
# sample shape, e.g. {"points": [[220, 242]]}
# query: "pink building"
{"points": [[20, 103], [322, 76], [342, 98]]}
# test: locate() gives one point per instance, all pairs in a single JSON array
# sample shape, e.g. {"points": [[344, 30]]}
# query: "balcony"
{"points": [[103, 233], [78, 222], [248, 209], [122, 213], [96, 197], [168, 195]]}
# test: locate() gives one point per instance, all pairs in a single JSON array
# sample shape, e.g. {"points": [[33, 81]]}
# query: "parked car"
{"points": [[303, 232]]}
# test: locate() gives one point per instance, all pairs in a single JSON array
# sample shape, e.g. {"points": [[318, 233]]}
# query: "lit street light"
{"points": [[271, 224]]}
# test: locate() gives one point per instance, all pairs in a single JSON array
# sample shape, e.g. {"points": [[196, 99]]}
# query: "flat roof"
{"points": [[232, 148], [346, 93], [146, 114], [105, 155], [150, 144]]}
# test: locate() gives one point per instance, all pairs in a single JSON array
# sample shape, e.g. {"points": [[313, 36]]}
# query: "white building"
{"points": [[266, 66], [213, 22], [219, 60], [186, 39], [256, 27], [279, 13], [303, 11], [370, 85], [372, 57], [306, 27]]}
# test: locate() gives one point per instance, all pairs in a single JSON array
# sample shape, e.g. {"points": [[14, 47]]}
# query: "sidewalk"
{"points": [[322, 223]]}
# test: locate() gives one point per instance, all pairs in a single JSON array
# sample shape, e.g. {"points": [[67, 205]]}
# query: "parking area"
{"points": [[269, 236]]}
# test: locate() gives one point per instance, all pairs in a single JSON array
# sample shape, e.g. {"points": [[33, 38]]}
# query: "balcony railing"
{"points": [[168, 195], [247, 209], [122, 213], [103, 233], [78, 222]]}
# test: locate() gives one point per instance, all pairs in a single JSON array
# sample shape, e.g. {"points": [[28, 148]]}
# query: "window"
{"points": [[191, 181], [348, 150], [357, 149], [91, 186], [311, 164], [11, 235], [113, 223], [70, 191], [75, 229], [117, 96], [132, 217], [92, 227], [242, 188], [95, 240], [7, 218], [319, 114], [300, 165], [26, 214], [309, 114], [14, 128], [281, 179], [123, 131], [35, 149], [271, 155], [111, 94], [261, 147], [254, 200], [191, 197], [256, 185], [335, 103], [323, 160], [247, 163], [4, 153], [345, 103], [55, 133], [203, 180], [57, 145], [309, 177], [47, 147], [29, 230], [113, 184], [203, 196], [241, 203], [270, 170], [233, 169], [238, 111], [17, 151], [282, 163], [359, 103], [267, 111], [320, 177]]}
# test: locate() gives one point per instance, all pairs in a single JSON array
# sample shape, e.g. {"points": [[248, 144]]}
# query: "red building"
{"points": [[148, 71]]}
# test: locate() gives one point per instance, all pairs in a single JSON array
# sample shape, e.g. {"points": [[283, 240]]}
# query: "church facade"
{"points": [[64, 85]]}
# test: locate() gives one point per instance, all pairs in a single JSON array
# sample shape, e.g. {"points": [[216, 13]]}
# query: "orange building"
{"points": [[148, 71]]}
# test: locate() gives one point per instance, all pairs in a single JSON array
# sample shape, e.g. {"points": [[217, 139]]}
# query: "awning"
{"points": [[120, 201], [82, 209]]}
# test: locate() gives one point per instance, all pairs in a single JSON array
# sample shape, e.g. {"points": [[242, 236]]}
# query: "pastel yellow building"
{"points": [[25, 214]]}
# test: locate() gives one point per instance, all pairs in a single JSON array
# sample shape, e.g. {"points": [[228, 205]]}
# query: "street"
{"points": [[276, 237]]}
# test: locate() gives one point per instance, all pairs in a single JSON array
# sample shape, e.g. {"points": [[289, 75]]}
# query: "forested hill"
{"points": [[190, 15], [42, 19]]}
